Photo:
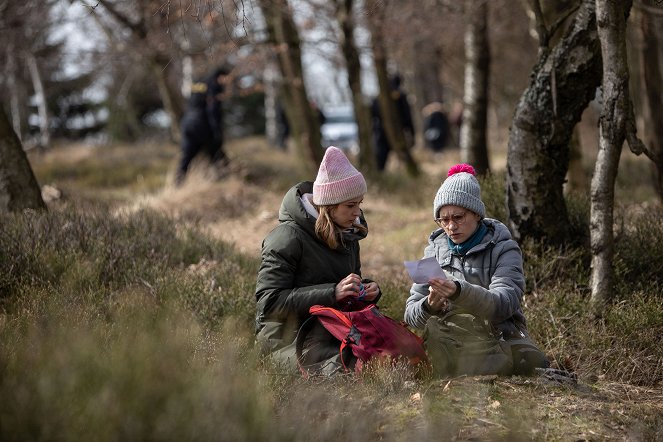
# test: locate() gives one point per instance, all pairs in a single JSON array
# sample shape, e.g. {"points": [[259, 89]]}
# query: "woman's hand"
{"points": [[439, 292], [372, 290], [349, 286]]}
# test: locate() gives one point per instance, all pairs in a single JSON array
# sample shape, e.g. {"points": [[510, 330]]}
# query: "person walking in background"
{"points": [[282, 127], [381, 142], [436, 126], [312, 258], [202, 124], [482, 294]]}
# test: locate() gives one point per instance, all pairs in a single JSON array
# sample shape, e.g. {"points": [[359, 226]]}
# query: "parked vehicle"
{"points": [[340, 128]]}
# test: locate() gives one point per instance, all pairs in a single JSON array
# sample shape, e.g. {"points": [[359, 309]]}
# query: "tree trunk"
{"points": [[613, 123], [345, 17], [305, 124], [473, 140], [391, 121], [427, 62], [168, 98], [270, 80], [652, 91], [10, 71], [40, 95], [564, 81], [19, 189]]}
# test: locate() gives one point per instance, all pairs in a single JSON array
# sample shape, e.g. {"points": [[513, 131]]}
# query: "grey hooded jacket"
{"points": [[298, 270], [490, 276]]}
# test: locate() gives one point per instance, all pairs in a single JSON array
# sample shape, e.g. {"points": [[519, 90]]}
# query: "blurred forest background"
{"points": [[107, 269]]}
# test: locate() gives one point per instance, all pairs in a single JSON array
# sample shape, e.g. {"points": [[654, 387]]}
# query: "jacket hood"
{"points": [[292, 210]]}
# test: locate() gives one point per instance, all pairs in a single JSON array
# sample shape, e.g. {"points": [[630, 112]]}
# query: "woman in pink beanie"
{"points": [[312, 258]]}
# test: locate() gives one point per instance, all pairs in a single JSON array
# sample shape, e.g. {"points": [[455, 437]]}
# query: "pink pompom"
{"points": [[461, 168]]}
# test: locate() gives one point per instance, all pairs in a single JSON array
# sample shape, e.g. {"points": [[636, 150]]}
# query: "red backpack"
{"points": [[367, 333]]}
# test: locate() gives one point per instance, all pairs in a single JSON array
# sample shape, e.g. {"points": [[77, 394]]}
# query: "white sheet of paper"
{"points": [[424, 270]]}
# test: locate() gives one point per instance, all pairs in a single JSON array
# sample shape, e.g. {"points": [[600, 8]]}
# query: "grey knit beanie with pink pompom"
{"points": [[461, 188]]}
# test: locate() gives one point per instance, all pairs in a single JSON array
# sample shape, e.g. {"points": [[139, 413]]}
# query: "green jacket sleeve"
{"points": [[276, 294]]}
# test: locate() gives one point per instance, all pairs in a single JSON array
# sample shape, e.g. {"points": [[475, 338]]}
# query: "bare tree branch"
{"points": [[541, 30], [138, 28]]}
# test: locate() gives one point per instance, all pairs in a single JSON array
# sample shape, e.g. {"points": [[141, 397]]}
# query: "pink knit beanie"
{"points": [[337, 179]]}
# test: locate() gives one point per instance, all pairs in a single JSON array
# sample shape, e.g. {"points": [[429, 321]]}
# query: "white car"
{"points": [[340, 128]]}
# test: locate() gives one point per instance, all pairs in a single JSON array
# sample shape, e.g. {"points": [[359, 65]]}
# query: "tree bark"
{"points": [[391, 122], [168, 97], [270, 75], [427, 62], [19, 189], [304, 123], [10, 72], [345, 17], [613, 126], [40, 94], [652, 91], [564, 81], [473, 140]]}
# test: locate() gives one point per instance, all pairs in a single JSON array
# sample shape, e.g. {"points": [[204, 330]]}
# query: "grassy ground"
{"points": [[126, 313]]}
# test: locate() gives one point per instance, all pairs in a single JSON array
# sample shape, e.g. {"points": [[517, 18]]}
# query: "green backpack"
{"points": [[462, 344]]}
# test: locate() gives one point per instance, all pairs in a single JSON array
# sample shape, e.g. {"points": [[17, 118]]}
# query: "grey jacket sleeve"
{"points": [[501, 299], [416, 312]]}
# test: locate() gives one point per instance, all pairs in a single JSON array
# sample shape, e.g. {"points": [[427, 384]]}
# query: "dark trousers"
{"points": [[192, 146], [382, 150]]}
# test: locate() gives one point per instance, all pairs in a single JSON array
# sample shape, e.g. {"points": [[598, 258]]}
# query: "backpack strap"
{"points": [[304, 330], [339, 325]]}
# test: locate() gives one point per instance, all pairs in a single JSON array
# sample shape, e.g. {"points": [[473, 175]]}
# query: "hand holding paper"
{"points": [[424, 270]]}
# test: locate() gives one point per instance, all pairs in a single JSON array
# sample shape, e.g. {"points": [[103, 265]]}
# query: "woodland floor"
{"points": [[242, 207]]}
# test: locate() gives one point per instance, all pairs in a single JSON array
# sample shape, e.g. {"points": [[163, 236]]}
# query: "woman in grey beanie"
{"points": [[473, 322]]}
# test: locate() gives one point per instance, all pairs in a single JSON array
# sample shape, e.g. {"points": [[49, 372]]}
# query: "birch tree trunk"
{"points": [[616, 123], [564, 81], [18, 187], [270, 75], [40, 95], [305, 124], [10, 71], [346, 21], [473, 140]]}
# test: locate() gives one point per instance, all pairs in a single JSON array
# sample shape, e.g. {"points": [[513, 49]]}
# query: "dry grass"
{"points": [[132, 320]]}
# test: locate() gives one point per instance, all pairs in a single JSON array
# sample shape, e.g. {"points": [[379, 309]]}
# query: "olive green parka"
{"points": [[298, 270]]}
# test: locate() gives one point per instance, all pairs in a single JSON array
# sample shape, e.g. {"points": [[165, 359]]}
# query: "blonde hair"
{"points": [[327, 230]]}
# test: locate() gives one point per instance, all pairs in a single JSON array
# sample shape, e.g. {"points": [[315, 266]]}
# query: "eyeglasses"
{"points": [[456, 218]]}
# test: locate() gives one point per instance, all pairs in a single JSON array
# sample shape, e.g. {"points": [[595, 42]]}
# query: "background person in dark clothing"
{"points": [[202, 124], [282, 127], [436, 126], [380, 140]]}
